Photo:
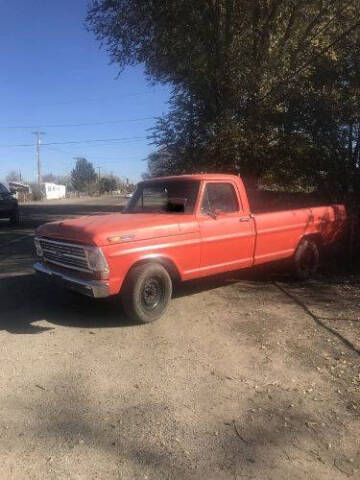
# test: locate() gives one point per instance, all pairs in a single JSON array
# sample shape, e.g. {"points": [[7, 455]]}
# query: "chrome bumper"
{"points": [[91, 288]]}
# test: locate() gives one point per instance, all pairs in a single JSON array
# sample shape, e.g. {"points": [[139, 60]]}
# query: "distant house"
{"points": [[22, 191], [52, 191]]}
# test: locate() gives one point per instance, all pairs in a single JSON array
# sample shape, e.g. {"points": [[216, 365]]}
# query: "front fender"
{"points": [[182, 252]]}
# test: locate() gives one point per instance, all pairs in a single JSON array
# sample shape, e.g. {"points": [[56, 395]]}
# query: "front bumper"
{"points": [[91, 288]]}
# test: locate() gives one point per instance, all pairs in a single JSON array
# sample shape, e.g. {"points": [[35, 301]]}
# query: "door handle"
{"points": [[244, 219]]}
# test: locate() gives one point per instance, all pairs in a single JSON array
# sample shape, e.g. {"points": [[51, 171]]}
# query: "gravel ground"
{"points": [[247, 376]]}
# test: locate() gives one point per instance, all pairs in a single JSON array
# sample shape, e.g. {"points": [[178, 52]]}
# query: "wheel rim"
{"points": [[152, 293]]}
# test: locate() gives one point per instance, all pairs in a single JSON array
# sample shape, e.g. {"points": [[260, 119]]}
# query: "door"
{"points": [[227, 232]]}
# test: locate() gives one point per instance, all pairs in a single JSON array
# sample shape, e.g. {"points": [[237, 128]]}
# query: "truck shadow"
{"points": [[28, 301], [260, 274]]}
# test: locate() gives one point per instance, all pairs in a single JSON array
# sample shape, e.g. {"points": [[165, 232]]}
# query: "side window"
{"points": [[219, 197], [153, 198]]}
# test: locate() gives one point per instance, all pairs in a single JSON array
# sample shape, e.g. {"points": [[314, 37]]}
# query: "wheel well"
{"points": [[165, 262], [316, 238]]}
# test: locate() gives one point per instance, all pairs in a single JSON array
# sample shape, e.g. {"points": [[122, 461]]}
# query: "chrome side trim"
{"points": [[158, 246], [283, 228], [229, 236]]}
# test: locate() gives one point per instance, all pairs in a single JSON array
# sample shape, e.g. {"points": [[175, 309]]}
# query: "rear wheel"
{"points": [[15, 217], [147, 292], [306, 259]]}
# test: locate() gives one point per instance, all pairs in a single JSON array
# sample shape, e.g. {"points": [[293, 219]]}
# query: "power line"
{"points": [[75, 142], [108, 144], [59, 150], [99, 157], [62, 125]]}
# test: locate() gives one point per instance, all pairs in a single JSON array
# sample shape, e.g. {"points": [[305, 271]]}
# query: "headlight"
{"points": [[97, 261], [38, 248]]}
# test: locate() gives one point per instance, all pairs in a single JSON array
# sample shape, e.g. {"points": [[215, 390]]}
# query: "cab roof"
{"points": [[195, 176]]}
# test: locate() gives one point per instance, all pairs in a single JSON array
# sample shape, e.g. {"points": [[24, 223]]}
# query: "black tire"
{"points": [[146, 292], [306, 259], [15, 217]]}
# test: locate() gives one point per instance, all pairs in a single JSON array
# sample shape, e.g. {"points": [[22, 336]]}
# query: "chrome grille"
{"points": [[65, 254]]}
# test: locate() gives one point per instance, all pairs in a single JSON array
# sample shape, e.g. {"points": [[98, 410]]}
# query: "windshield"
{"points": [[164, 197]]}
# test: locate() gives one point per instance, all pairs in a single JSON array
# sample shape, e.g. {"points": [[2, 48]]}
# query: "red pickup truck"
{"points": [[179, 228]]}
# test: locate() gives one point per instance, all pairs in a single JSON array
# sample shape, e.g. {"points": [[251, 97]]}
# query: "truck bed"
{"points": [[278, 232], [266, 201]]}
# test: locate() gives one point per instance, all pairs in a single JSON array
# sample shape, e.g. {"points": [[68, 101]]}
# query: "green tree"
{"points": [[260, 87], [108, 184], [83, 175], [159, 164]]}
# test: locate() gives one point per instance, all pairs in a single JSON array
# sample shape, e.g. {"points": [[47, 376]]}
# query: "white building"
{"points": [[52, 191]]}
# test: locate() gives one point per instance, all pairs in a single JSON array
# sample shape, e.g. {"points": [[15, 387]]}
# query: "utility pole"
{"points": [[99, 169], [38, 143]]}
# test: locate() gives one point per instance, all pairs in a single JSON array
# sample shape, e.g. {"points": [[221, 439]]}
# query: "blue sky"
{"points": [[52, 72]]}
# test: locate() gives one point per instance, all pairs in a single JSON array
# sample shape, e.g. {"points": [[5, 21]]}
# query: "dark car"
{"points": [[8, 205]]}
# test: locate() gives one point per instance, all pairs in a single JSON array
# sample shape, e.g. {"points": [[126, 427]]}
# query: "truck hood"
{"points": [[96, 229]]}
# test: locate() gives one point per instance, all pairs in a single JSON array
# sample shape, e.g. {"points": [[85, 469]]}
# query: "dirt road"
{"points": [[248, 376]]}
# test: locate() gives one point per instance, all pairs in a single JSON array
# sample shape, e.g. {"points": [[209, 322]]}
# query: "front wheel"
{"points": [[306, 259], [147, 292]]}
